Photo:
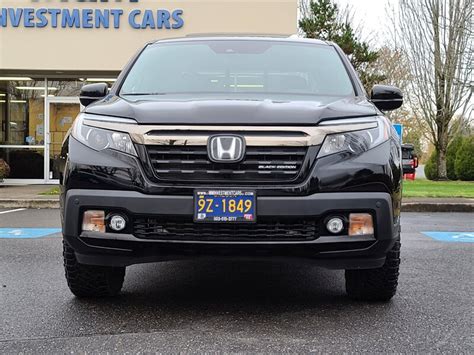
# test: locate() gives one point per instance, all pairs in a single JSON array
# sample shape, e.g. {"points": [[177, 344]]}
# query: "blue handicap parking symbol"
{"points": [[25, 233], [463, 237]]}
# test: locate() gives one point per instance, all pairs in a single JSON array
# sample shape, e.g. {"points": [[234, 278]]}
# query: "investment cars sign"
{"points": [[89, 18]]}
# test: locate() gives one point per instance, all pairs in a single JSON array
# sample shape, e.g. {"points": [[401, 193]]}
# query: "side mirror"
{"points": [[93, 92], [386, 97]]}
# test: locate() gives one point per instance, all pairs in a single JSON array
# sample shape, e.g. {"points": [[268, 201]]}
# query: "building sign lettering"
{"points": [[91, 18]]}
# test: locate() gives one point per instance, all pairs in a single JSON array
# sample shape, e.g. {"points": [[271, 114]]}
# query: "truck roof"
{"points": [[251, 37]]}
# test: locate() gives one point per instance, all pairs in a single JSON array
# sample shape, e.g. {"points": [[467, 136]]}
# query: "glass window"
{"points": [[64, 87], [22, 112], [61, 117], [407, 154], [267, 69], [72, 87], [22, 116], [24, 163]]}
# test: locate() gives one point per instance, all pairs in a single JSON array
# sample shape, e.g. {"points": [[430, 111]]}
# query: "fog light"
{"points": [[94, 221], [335, 225], [360, 224], [117, 223]]}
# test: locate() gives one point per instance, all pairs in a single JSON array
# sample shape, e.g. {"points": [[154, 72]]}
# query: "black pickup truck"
{"points": [[409, 159], [234, 147]]}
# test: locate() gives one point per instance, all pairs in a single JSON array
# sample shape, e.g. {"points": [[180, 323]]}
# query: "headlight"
{"points": [[100, 139], [356, 142]]}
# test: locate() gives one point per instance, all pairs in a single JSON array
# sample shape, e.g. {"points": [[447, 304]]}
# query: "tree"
{"points": [[393, 62], [464, 163], [430, 167], [324, 20], [412, 134], [437, 37], [451, 153]]}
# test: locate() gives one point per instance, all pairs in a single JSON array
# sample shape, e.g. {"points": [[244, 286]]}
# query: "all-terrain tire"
{"points": [[91, 281], [375, 284]]}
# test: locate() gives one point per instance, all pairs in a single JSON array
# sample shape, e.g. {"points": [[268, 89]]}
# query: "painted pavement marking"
{"points": [[27, 233], [462, 237], [11, 211]]}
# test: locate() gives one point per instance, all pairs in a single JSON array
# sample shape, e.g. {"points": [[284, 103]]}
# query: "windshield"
{"points": [[230, 68], [407, 154]]}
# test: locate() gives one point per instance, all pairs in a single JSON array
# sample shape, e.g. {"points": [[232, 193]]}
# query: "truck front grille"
{"points": [[260, 165], [265, 230]]}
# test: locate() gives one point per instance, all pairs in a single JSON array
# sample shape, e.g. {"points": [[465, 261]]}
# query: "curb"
{"points": [[37, 203], [406, 206], [437, 207]]}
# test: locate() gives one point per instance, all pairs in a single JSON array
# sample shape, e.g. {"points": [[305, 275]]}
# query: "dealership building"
{"points": [[50, 48]]}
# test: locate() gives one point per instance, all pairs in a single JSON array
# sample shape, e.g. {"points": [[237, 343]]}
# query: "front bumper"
{"points": [[339, 252]]}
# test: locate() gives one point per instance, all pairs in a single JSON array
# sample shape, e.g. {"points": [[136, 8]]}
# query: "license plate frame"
{"points": [[220, 216]]}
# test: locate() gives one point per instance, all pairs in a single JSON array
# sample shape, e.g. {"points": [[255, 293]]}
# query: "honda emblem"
{"points": [[226, 148]]}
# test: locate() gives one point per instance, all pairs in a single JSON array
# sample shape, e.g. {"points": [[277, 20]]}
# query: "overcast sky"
{"points": [[370, 15]]}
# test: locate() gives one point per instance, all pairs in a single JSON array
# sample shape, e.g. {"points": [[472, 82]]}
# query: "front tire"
{"points": [[375, 284], [91, 281]]}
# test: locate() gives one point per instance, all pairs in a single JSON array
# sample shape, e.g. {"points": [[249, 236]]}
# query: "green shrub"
{"points": [[4, 169], [431, 170], [464, 163], [451, 157]]}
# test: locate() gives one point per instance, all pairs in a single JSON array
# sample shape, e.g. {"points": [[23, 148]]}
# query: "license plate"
{"points": [[224, 206]]}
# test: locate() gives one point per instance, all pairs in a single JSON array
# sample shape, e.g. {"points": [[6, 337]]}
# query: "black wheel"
{"points": [[91, 281], [375, 284]]}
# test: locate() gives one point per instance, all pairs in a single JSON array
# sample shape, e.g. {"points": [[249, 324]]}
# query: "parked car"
{"points": [[409, 159], [234, 147]]}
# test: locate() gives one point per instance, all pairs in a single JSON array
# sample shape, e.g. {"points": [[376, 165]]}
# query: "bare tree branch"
{"points": [[437, 38]]}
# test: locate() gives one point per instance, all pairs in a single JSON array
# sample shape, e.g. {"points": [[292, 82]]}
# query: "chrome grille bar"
{"points": [[297, 136]]}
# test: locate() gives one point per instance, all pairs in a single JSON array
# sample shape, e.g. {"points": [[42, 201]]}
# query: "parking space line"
{"points": [[27, 233], [11, 211]]}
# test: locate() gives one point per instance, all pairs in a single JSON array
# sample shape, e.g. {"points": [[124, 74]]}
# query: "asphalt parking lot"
{"points": [[247, 306]]}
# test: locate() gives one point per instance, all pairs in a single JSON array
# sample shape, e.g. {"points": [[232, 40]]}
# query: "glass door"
{"points": [[60, 114], [22, 129]]}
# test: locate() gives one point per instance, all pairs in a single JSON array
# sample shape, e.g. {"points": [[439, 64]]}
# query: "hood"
{"points": [[232, 111]]}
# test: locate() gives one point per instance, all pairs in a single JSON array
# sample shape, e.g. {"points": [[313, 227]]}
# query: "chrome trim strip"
{"points": [[310, 136], [344, 121], [88, 116]]}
